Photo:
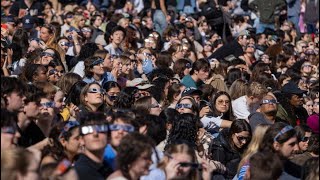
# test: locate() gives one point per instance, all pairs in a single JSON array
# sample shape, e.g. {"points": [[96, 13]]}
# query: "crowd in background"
{"points": [[160, 89]]}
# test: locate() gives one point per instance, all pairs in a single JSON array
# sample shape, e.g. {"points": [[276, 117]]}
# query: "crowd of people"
{"points": [[159, 89]]}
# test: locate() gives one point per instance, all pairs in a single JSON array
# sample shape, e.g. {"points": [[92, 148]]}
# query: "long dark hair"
{"points": [[238, 126], [227, 115]]}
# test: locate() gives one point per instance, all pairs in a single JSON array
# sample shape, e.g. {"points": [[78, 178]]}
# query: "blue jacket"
{"points": [[180, 4]]}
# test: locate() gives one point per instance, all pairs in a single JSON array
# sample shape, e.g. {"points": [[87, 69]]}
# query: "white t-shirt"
{"points": [[240, 108], [79, 68], [211, 123]]}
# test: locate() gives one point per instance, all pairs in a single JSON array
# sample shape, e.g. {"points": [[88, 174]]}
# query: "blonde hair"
{"points": [[238, 88], [256, 90], [76, 20], [254, 144]]}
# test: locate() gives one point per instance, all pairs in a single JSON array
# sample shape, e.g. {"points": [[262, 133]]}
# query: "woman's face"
{"points": [[183, 172], [222, 104], [46, 109], [111, 95], [47, 56], [52, 75], [33, 45], [184, 107], [141, 165], [240, 139], [44, 34], [98, 69], [155, 107], [126, 67], [207, 47], [41, 74], [94, 95], [73, 144], [60, 71], [117, 135], [117, 64], [309, 107], [82, 21], [303, 144], [58, 100], [291, 61], [287, 147]]}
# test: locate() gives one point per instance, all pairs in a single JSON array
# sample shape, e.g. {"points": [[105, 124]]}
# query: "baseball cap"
{"points": [[292, 88], [191, 91], [8, 19], [28, 22]]}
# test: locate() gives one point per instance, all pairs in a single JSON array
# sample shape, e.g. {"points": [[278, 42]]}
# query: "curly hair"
{"points": [[131, 148], [184, 129]]}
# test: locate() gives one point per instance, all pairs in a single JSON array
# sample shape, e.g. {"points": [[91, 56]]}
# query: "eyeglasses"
{"points": [[187, 106], [86, 30], [49, 104], [305, 139], [220, 102], [269, 101], [306, 65], [69, 16], [95, 90], [124, 127], [241, 138], [97, 62], [68, 126], [47, 54], [65, 44], [84, 130], [8, 130]]}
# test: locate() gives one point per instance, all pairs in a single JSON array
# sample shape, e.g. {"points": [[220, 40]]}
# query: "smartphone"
{"points": [[192, 165]]}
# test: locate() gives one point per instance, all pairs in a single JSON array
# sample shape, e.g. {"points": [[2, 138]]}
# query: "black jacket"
{"points": [[221, 151], [232, 48]]}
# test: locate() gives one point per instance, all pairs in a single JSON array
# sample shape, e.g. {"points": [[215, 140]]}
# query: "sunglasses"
{"points": [[306, 65], [84, 130], [305, 139], [241, 138], [191, 165], [95, 90], [69, 16], [86, 30], [112, 98], [124, 127], [187, 106], [8, 130], [48, 104], [68, 126], [222, 101], [65, 44], [52, 72], [96, 62], [269, 101], [47, 54]]}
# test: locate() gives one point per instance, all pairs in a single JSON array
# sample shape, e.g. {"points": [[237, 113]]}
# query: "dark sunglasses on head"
{"points": [[95, 90], [269, 101], [147, 54], [9, 130], [305, 139], [187, 106], [47, 54], [125, 127], [86, 30], [48, 104], [84, 130]]}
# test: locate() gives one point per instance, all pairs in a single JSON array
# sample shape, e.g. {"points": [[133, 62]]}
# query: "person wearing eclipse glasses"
{"points": [[94, 136], [120, 126]]}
